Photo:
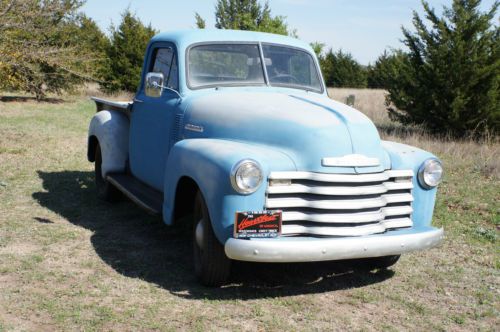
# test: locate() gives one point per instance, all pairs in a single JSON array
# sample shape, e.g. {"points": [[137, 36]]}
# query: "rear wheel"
{"points": [[105, 190], [212, 267], [377, 263]]}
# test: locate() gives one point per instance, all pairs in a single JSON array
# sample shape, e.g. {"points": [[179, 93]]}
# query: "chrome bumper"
{"points": [[288, 250]]}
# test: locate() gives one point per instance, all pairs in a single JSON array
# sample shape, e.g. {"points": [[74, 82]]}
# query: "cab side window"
{"points": [[165, 62]]}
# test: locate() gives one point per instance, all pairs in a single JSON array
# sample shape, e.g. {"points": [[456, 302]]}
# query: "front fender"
{"points": [[408, 157], [111, 129], [208, 162]]}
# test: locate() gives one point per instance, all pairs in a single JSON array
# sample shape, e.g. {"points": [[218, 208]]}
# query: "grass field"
{"points": [[71, 262]]}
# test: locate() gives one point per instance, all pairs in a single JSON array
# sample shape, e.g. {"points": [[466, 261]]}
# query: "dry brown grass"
{"points": [[71, 262], [369, 101], [93, 90], [483, 155]]}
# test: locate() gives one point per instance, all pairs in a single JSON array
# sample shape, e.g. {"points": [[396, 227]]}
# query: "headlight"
{"points": [[246, 176], [430, 173]]}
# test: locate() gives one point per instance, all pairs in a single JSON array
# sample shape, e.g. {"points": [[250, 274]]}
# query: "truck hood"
{"points": [[307, 127]]}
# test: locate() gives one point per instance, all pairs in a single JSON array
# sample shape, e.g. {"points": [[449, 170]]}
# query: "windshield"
{"points": [[240, 64], [290, 67], [231, 64]]}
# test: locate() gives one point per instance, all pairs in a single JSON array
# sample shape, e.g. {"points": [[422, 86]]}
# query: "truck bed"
{"points": [[110, 105]]}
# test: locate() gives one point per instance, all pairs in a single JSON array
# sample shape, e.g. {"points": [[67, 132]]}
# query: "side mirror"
{"points": [[154, 84]]}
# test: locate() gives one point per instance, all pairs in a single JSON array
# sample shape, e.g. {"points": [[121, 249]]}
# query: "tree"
{"points": [[90, 35], [126, 54], [36, 54], [318, 49], [451, 81], [247, 15], [90, 39], [341, 70], [200, 22], [386, 69]]}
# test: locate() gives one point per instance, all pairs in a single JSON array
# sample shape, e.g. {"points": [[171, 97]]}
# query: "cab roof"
{"points": [[185, 38]]}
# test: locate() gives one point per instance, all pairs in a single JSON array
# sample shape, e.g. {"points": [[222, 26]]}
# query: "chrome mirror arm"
{"points": [[156, 85]]}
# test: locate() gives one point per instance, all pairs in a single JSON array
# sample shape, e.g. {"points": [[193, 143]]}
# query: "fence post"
{"points": [[350, 100]]}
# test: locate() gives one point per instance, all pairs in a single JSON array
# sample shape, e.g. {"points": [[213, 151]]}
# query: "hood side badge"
{"points": [[195, 128]]}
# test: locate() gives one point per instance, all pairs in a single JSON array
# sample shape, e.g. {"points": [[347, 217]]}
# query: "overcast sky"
{"points": [[363, 27]]}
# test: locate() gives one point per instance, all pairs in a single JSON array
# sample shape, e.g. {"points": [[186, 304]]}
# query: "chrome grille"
{"points": [[323, 204]]}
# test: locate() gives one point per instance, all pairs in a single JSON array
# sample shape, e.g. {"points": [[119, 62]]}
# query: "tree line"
{"points": [[447, 78]]}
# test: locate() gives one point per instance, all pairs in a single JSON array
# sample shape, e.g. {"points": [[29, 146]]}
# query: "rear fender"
{"points": [[110, 129]]}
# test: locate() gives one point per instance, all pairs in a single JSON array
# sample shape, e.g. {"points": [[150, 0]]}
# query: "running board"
{"points": [[141, 194]]}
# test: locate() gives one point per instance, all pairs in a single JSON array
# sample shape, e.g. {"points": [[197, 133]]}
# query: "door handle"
{"points": [[138, 100]]}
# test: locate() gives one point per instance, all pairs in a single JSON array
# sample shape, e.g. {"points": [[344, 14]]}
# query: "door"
{"points": [[152, 119]]}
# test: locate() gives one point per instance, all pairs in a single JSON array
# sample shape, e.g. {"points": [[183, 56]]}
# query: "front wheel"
{"points": [[211, 265]]}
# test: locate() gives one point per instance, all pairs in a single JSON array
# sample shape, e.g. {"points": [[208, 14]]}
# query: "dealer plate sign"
{"points": [[263, 224]]}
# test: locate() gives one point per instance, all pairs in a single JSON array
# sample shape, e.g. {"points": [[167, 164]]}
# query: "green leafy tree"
{"points": [[37, 55], [125, 54], [247, 15], [451, 80], [386, 69], [341, 70]]}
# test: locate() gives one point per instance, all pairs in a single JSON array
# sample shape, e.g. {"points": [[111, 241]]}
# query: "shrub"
{"points": [[450, 81], [385, 69], [341, 70]]}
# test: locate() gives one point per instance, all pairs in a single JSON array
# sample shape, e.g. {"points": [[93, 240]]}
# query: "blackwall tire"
{"points": [[212, 266]]}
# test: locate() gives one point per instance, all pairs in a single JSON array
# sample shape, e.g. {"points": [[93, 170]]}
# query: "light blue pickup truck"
{"points": [[236, 130]]}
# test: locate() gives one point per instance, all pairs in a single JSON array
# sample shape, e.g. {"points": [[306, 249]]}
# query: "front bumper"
{"points": [[295, 249]]}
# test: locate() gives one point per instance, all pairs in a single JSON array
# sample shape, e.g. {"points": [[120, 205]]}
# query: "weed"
{"points": [[487, 234], [458, 319]]}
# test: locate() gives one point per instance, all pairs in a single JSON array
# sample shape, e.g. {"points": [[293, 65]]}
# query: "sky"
{"points": [[365, 28]]}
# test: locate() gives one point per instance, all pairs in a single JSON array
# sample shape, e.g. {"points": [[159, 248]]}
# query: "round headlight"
{"points": [[430, 173], [246, 176]]}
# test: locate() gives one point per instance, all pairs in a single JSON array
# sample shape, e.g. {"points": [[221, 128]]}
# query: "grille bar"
{"points": [[340, 191], [341, 204], [327, 177], [346, 231], [351, 218]]}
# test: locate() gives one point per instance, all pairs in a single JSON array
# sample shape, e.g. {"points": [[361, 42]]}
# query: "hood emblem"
{"points": [[351, 160]]}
